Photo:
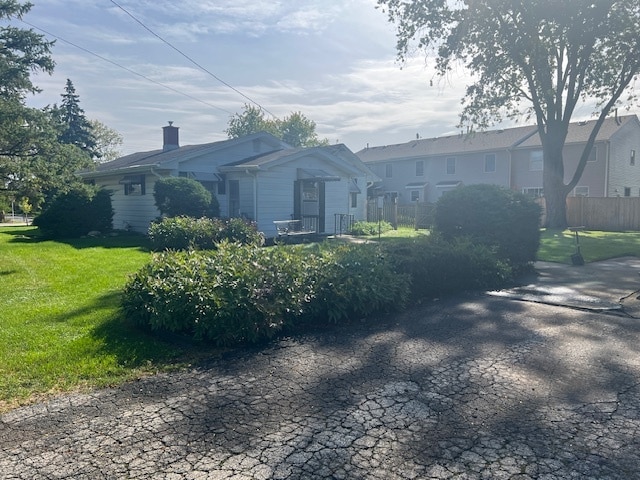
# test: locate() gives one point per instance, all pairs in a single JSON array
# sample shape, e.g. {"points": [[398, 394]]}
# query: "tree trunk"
{"points": [[555, 191]]}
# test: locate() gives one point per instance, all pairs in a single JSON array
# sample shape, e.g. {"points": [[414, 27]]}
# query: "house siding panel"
{"points": [[131, 212], [622, 174]]}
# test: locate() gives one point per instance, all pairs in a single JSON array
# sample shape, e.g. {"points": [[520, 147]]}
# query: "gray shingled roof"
{"points": [[454, 144], [485, 141], [579, 131], [156, 157]]}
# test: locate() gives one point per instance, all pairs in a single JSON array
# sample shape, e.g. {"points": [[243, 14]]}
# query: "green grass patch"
{"points": [[61, 327], [558, 246]]}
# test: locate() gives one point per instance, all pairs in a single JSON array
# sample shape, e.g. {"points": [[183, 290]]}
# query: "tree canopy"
{"points": [[531, 59], [296, 129], [34, 162]]}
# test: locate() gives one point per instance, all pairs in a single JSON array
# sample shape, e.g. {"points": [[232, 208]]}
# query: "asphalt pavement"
{"points": [[508, 385]]}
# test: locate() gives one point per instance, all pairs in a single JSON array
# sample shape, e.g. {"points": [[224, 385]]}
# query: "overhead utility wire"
{"points": [[190, 59], [126, 68]]}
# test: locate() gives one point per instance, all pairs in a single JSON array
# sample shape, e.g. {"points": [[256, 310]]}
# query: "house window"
{"points": [[582, 191], [134, 185], [354, 200], [490, 163], [593, 155], [534, 192], [419, 168], [451, 165], [535, 161], [388, 171], [627, 191], [632, 158], [415, 195]]}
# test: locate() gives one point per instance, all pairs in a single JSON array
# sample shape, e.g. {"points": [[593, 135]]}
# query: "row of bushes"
{"points": [[242, 293], [181, 233]]}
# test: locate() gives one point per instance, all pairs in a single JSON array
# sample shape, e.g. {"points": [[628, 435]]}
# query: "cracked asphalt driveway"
{"points": [[473, 388]]}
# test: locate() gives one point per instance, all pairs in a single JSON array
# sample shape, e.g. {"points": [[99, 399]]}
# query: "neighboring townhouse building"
{"points": [[422, 170], [257, 177]]}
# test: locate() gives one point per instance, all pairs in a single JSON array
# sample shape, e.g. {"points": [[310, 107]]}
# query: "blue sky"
{"points": [[332, 60]]}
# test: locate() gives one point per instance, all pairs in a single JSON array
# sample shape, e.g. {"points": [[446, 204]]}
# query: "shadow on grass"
{"points": [[32, 235], [131, 346]]}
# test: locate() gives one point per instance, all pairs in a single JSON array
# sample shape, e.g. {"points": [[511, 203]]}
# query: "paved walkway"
{"points": [[481, 387]]}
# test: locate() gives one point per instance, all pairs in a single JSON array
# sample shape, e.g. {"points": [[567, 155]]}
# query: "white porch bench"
{"points": [[287, 229]]}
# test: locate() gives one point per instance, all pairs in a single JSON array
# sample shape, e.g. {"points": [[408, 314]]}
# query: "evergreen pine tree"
{"points": [[75, 128]]}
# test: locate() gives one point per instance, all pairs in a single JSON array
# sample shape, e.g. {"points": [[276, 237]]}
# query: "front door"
{"points": [[309, 204]]}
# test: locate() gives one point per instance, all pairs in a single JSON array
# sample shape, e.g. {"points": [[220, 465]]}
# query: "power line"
{"points": [[190, 59], [126, 68]]}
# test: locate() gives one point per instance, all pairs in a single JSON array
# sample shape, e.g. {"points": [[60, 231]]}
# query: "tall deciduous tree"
{"points": [[108, 141], [533, 58], [296, 129]]}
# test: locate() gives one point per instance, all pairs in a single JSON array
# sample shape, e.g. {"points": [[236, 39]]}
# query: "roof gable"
{"points": [[167, 159]]}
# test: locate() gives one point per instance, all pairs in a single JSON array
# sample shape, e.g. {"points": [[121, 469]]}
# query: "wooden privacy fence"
{"points": [[594, 213], [608, 214], [417, 215]]}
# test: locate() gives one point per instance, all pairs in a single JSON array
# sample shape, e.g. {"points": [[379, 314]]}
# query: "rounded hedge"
{"points": [[493, 216], [76, 212], [176, 196]]}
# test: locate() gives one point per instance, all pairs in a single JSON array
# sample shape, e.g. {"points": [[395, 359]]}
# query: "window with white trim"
{"points": [[451, 165], [534, 192], [535, 161], [420, 168], [490, 163], [415, 195]]}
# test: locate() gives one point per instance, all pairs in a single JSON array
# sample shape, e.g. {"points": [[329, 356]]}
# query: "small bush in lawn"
{"points": [[181, 196], [493, 216], [370, 228], [242, 293], [438, 266], [181, 233], [76, 212]]}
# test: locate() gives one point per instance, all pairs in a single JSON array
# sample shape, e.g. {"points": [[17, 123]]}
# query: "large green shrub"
{"points": [[175, 196], [357, 281], [242, 293], [440, 267], [181, 233], [493, 216], [76, 212]]}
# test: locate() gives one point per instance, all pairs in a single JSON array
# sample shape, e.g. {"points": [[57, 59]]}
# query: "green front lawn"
{"points": [[61, 327], [558, 246], [60, 324]]}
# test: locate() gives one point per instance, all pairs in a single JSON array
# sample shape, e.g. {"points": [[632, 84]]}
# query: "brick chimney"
{"points": [[170, 137]]}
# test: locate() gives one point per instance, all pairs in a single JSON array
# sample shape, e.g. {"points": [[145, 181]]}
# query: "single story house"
{"points": [[422, 170], [257, 177]]}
